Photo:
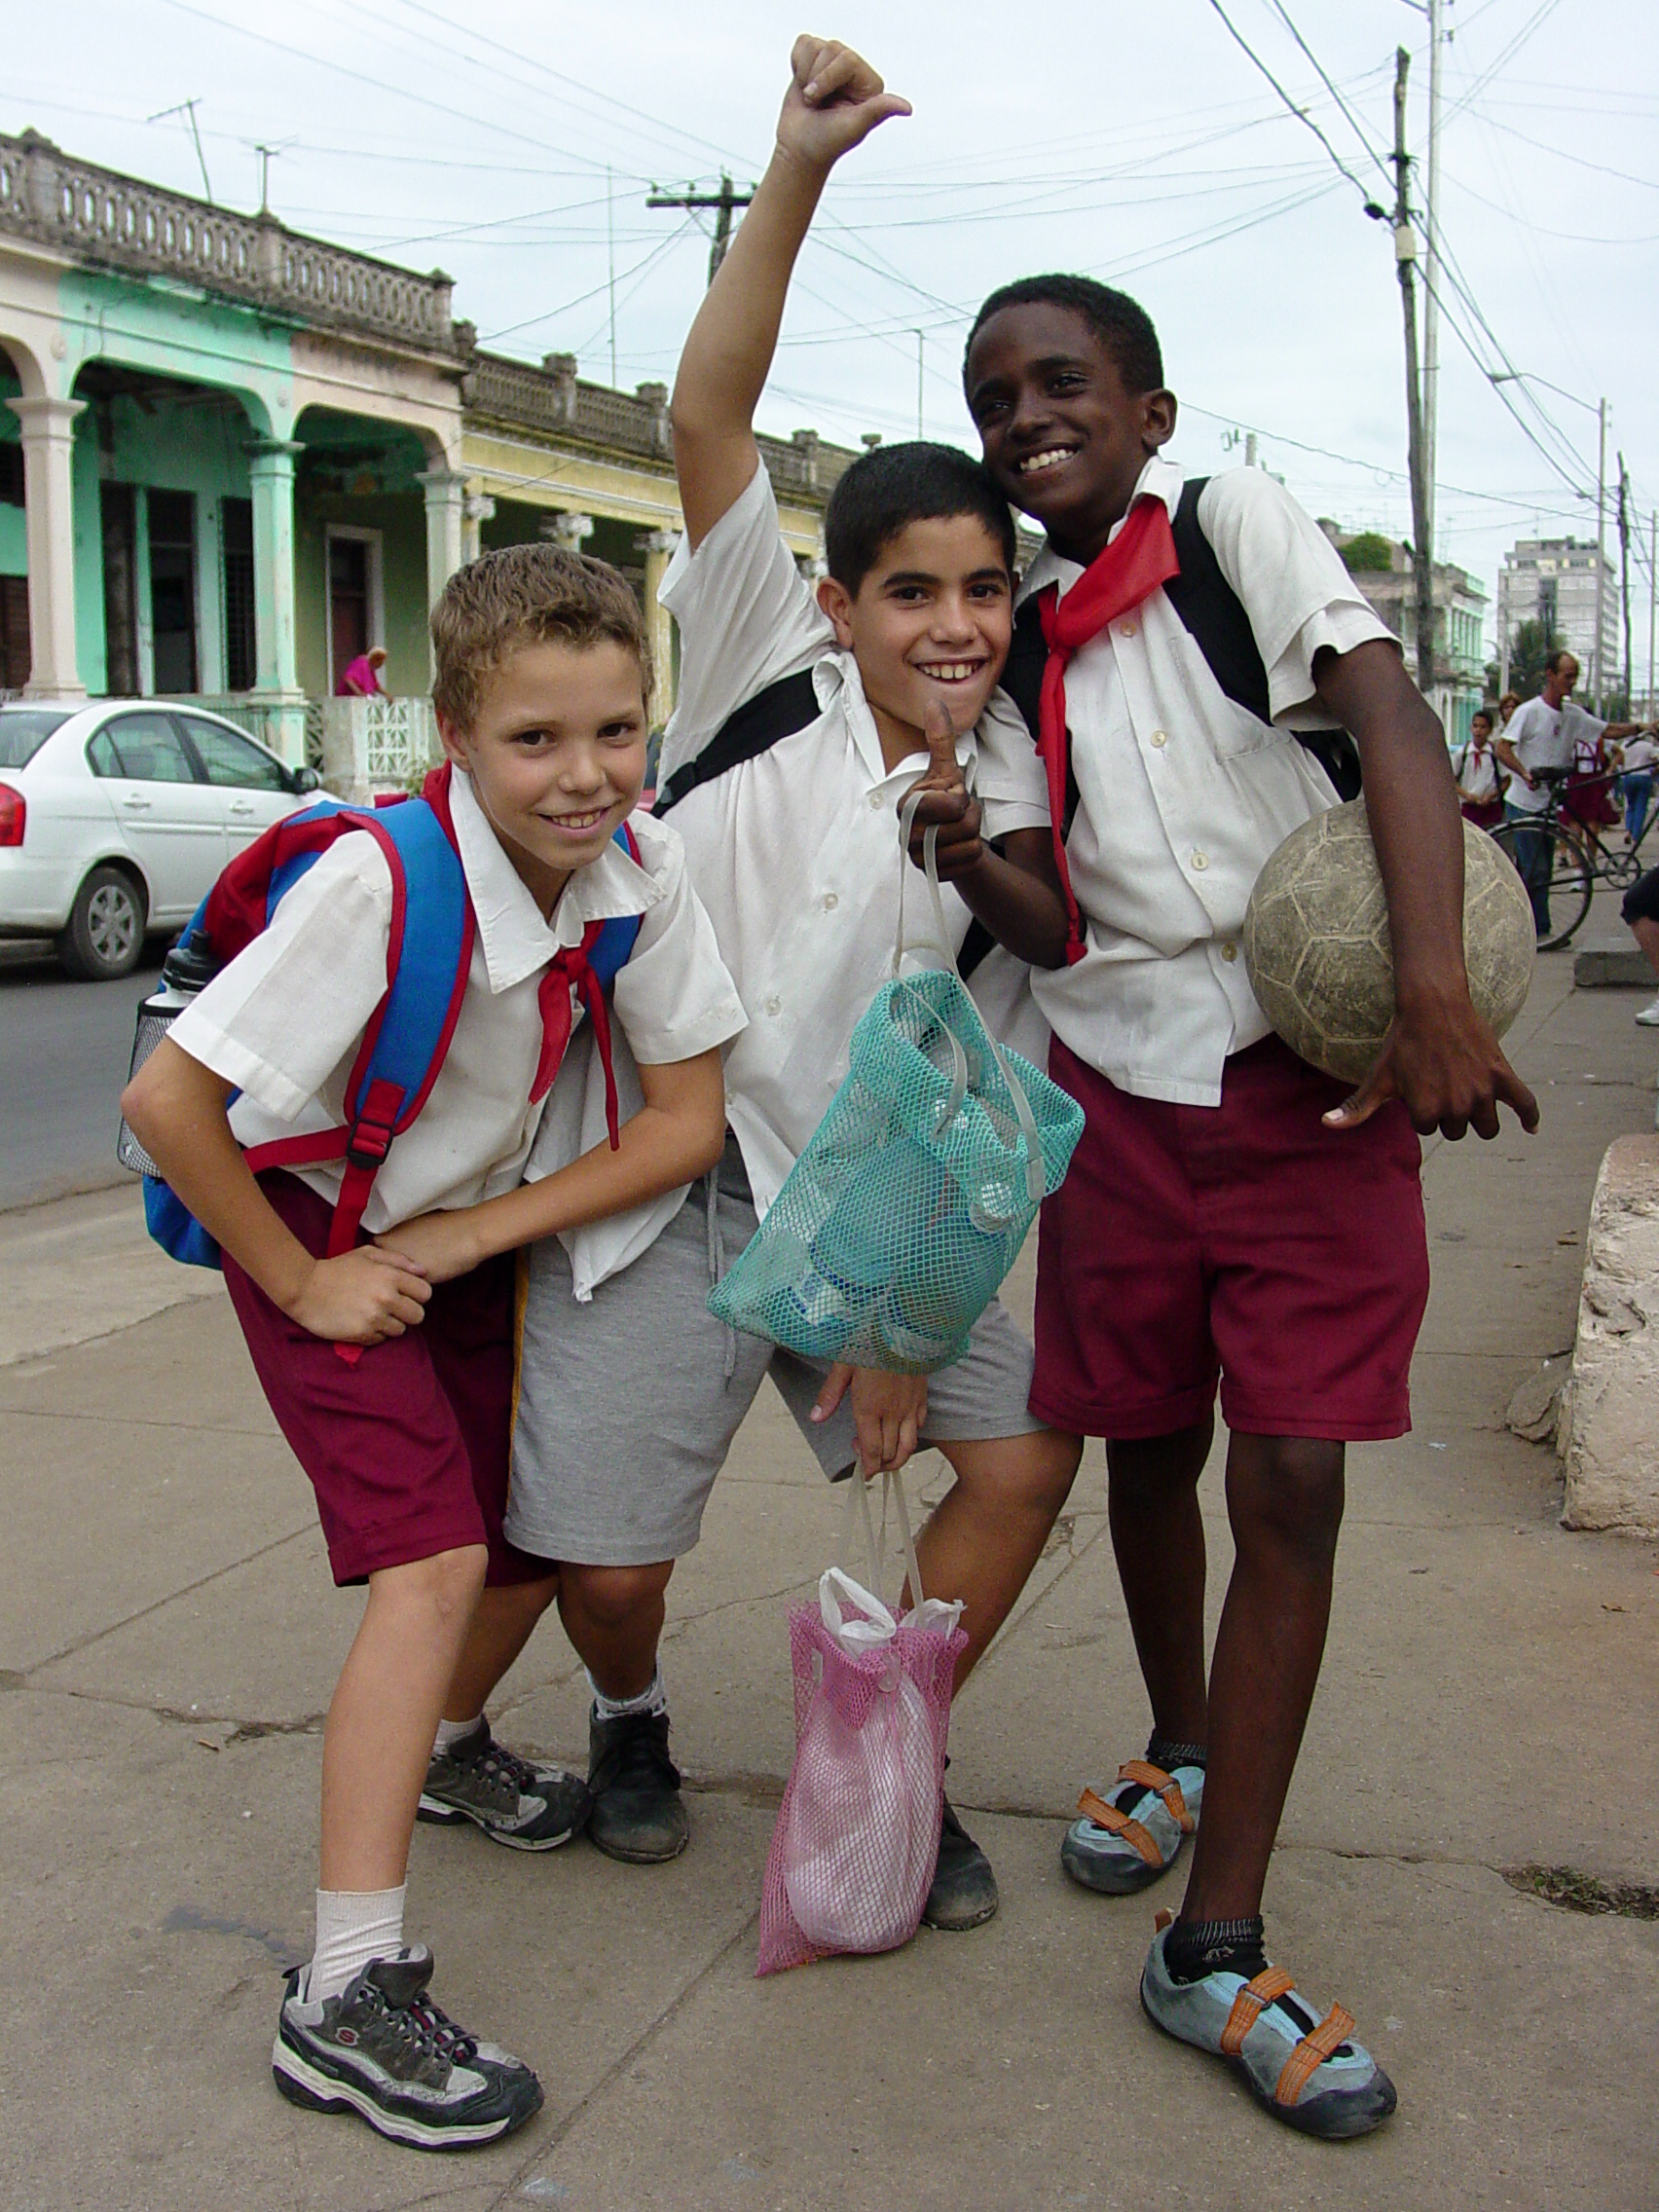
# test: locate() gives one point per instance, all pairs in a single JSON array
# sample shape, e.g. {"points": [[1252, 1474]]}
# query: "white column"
{"points": [[277, 690], [49, 439], [477, 508], [656, 545], [568, 531], [446, 504]]}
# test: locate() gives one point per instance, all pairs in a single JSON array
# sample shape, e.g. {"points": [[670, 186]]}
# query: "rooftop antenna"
{"points": [[188, 108], [267, 154]]}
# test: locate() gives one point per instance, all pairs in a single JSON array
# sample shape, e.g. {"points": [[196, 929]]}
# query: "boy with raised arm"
{"points": [[791, 839], [540, 699]]}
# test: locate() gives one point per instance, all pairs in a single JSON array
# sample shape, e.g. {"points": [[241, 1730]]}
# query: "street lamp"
{"points": [[1600, 411]]}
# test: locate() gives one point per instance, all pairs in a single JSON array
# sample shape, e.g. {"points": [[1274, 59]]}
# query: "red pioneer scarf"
{"points": [[1131, 568], [569, 965]]}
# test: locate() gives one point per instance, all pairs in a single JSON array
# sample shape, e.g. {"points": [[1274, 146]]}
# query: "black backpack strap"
{"points": [[1214, 616], [753, 728], [1022, 680]]}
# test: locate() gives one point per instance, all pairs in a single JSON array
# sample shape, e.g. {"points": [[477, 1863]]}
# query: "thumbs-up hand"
{"points": [[946, 803]]}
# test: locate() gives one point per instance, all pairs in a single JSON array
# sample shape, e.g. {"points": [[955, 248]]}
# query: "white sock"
{"points": [[353, 1927], [652, 1699], [452, 1731]]}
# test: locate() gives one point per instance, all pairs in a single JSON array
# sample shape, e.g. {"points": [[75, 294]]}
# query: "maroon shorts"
{"points": [[407, 1448], [1243, 1240]]}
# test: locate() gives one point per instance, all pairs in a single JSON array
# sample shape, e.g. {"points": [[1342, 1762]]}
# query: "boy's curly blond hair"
{"points": [[526, 595]]}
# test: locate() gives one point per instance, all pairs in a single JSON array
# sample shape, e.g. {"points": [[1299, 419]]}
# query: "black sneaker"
{"points": [[385, 2051], [964, 1892], [638, 1813], [515, 1801]]}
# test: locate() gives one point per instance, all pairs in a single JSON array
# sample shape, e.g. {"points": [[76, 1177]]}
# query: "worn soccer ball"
{"points": [[1318, 950]]}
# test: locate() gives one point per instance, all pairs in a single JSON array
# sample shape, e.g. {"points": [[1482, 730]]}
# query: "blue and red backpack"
{"points": [[428, 954]]}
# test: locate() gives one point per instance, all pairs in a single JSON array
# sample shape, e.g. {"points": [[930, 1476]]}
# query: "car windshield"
{"points": [[24, 730]]}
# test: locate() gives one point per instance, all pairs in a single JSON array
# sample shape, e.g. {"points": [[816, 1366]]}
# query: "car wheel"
{"points": [[105, 932]]}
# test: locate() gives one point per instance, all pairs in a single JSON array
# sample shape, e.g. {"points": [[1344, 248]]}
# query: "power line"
{"points": [[1301, 113]]}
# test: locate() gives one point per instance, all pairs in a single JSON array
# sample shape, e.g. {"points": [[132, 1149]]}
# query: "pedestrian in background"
{"points": [[1480, 782], [359, 679]]}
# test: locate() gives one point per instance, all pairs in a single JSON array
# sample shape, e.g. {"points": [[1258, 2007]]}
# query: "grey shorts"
{"points": [[627, 1406]]}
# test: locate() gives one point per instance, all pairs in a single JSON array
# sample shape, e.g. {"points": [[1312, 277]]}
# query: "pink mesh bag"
{"points": [[857, 1839]]}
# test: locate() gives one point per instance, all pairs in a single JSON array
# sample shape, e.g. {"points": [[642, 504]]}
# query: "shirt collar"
{"points": [[1159, 479], [836, 678], [515, 939]]}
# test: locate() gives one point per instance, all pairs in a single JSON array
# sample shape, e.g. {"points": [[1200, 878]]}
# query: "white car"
{"points": [[115, 819]]}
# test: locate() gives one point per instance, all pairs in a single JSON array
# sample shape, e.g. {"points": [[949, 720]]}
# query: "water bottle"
{"points": [[187, 968]]}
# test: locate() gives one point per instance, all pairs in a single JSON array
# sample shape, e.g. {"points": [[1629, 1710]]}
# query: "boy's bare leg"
{"points": [[1157, 1537], [385, 1713], [500, 1628], [1284, 1500], [987, 1534], [613, 1616]]}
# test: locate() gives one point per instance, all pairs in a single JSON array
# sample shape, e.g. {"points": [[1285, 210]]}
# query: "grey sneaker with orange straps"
{"points": [[1304, 2069], [1129, 1835]]}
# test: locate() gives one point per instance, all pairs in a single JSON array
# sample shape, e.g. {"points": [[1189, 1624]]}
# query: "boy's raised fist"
{"points": [[835, 100]]}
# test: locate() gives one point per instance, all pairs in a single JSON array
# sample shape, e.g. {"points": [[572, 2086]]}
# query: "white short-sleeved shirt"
{"points": [[1183, 794], [1541, 739], [286, 1018], [795, 854]]}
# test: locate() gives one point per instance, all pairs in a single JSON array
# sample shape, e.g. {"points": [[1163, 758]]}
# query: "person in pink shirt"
{"points": [[359, 679]]}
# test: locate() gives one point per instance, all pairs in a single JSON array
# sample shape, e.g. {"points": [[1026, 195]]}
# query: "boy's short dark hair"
{"points": [[1482, 714], [526, 595], [885, 490], [1122, 325]]}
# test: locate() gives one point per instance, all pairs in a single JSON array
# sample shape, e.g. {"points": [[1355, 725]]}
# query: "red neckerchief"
{"points": [[569, 965], [1131, 568]]}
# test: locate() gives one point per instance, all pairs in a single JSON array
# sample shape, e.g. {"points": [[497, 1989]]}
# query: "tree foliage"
{"points": [[1368, 553], [1529, 650]]}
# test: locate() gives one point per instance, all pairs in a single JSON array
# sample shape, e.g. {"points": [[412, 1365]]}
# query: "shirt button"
{"points": [[774, 1006], [1127, 630], [875, 802], [1201, 860], [831, 902], [1230, 952], [1160, 737]]}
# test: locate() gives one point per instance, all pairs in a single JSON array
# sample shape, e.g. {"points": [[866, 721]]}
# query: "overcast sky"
{"points": [[514, 144]]}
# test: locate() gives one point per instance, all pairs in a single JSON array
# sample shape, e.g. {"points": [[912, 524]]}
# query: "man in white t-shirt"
{"points": [[1538, 748]]}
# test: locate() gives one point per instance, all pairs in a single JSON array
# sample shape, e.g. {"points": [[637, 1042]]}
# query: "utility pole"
{"points": [[1405, 262], [1595, 668], [1431, 268], [188, 108], [722, 203], [610, 266], [1624, 577]]}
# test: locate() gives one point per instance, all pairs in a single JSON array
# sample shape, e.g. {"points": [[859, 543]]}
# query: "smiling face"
{"points": [[930, 620], [1063, 436], [556, 755]]}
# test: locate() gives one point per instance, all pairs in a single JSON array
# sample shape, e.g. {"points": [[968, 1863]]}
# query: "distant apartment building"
{"points": [[1460, 623], [1553, 580]]}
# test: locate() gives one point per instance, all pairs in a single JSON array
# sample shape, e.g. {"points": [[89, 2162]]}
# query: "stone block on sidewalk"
{"points": [[1611, 961], [1613, 1421]]}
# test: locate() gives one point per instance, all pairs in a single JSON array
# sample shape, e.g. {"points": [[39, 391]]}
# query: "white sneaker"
{"points": [[1648, 1017]]}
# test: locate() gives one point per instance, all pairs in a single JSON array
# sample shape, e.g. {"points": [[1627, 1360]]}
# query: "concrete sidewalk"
{"points": [[168, 1639]]}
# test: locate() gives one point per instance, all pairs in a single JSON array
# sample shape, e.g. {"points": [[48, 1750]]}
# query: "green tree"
{"points": [[1530, 649], [1368, 553]]}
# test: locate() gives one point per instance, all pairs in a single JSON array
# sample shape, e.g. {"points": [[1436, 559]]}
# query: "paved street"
{"points": [[168, 1639], [63, 1053]]}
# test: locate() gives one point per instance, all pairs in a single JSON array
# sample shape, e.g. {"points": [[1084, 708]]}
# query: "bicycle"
{"points": [[1571, 850]]}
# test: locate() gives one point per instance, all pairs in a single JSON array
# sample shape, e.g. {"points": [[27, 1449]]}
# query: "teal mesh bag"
{"points": [[917, 1191]]}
